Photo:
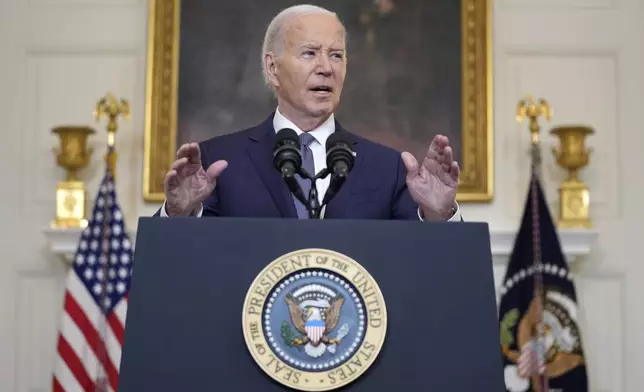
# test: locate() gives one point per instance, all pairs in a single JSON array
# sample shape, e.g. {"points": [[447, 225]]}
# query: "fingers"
{"points": [[179, 164], [448, 164], [446, 158], [171, 180], [187, 153], [175, 173], [190, 151], [455, 171], [410, 163], [440, 151], [173, 177], [184, 150], [215, 170], [437, 146]]}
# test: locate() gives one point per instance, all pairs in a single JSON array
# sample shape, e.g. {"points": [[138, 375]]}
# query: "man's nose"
{"points": [[324, 66]]}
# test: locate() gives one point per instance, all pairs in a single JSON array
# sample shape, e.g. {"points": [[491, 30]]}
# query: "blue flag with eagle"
{"points": [[540, 335]]}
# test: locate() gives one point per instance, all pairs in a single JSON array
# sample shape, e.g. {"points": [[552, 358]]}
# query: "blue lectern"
{"points": [[248, 305]]}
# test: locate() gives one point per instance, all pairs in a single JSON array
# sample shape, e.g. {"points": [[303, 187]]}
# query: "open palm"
{"points": [[187, 184], [433, 184]]}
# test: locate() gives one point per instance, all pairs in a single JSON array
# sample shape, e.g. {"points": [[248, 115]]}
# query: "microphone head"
{"points": [[287, 136], [337, 148], [336, 138], [287, 158]]}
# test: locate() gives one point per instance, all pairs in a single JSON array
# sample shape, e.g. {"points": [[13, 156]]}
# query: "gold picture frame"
{"points": [[476, 181]]}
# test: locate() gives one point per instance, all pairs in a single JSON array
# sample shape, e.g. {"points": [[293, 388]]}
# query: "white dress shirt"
{"points": [[318, 147]]}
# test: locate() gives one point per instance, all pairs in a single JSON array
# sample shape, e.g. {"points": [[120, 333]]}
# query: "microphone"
{"points": [[286, 156], [287, 160], [339, 162]]}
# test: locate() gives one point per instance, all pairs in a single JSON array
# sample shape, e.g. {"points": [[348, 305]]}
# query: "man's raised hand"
{"points": [[187, 184], [433, 183]]}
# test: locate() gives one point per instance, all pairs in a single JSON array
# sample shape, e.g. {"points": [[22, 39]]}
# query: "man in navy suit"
{"points": [[304, 61]]}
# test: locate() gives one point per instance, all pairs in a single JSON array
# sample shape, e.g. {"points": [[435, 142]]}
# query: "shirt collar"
{"points": [[320, 133]]}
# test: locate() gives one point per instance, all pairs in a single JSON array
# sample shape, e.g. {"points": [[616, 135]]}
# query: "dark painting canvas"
{"points": [[403, 75]]}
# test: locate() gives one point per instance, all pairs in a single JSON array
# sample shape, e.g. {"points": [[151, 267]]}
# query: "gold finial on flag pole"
{"points": [[532, 110], [112, 108], [528, 108]]}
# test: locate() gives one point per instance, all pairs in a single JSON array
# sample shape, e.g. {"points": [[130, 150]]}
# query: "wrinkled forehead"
{"points": [[315, 30]]}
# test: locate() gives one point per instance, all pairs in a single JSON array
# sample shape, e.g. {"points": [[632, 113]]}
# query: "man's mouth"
{"points": [[321, 90]]}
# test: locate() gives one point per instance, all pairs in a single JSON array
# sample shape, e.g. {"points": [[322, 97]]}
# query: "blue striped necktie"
{"points": [[307, 164]]}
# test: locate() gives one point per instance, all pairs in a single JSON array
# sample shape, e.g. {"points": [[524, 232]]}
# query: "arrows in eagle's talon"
{"points": [[299, 342]]}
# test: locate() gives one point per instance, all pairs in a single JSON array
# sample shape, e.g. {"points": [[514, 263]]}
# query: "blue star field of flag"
{"points": [[103, 260]]}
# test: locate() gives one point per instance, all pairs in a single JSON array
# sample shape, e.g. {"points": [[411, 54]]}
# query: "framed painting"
{"points": [[415, 68]]}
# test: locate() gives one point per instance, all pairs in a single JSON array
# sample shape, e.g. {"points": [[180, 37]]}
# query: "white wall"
{"points": [[59, 56]]}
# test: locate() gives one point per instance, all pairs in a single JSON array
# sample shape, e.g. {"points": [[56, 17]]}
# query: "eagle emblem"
{"points": [[314, 312], [314, 320]]}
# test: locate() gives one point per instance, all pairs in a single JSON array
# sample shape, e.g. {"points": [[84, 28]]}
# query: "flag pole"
{"points": [[532, 110], [112, 108]]}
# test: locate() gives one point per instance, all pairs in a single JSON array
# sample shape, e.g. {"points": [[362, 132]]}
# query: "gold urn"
{"points": [[73, 155], [574, 197]]}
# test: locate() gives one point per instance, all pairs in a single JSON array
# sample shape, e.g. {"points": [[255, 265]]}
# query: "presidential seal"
{"points": [[314, 320]]}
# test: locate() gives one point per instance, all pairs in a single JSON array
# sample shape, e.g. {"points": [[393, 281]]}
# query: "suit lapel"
{"points": [[337, 205], [260, 150]]}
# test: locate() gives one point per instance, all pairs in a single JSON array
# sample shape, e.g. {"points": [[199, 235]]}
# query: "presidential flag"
{"points": [[95, 304], [540, 333]]}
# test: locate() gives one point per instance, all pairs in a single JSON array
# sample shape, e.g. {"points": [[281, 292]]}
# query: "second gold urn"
{"points": [[574, 196]]}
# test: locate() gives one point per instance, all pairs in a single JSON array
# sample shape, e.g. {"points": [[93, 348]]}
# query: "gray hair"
{"points": [[274, 37]]}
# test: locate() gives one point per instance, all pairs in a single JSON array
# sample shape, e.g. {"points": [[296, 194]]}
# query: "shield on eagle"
{"points": [[315, 330]]}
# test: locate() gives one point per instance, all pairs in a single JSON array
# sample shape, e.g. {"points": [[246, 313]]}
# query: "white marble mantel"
{"points": [[575, 242]]}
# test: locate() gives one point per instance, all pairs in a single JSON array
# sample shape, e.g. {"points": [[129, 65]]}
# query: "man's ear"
{"points": [[272, 68]]}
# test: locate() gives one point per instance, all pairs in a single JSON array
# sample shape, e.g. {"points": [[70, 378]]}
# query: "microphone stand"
{"points": [[313, 203]]}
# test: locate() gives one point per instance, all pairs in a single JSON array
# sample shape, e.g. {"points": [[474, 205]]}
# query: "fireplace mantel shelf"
{"points": [[576, 243]]}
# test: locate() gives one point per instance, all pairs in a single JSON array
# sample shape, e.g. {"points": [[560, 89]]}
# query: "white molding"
{"points": [[575, 242], [63, 241]]}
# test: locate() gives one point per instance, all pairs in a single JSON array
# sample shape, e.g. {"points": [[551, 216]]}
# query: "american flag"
{"points": [[93, 318], [531, 361]]}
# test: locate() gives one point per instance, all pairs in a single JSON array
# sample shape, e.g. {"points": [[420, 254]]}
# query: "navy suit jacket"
{"points": [[251, 187]]}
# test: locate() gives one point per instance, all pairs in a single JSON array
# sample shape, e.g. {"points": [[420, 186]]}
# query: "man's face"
{"points": [[310, 73]]}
